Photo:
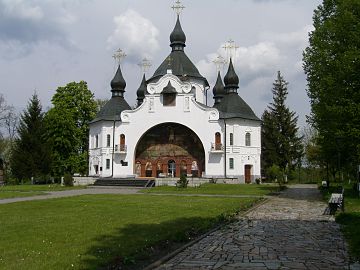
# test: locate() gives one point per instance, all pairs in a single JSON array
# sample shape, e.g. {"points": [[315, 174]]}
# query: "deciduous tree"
{"points": [[68, 127], [332, 67]]}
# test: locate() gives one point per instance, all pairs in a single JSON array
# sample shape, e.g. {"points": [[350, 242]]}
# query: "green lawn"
{"points": [[14, 191], [350, 219], [90, 231], [220, 189]]}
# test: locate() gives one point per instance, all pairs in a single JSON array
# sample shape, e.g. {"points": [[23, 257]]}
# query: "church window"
{"points": [[231, 138], [122, 142], [108, 140], [96, 141], [217, 141], [231, 163], [247, 139], [107, 164], [169, 99]]}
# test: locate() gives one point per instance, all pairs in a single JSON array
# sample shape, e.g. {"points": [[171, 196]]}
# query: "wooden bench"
{"points": [[336, 201]]}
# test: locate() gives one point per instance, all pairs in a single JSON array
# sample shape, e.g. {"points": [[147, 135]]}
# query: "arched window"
{"points": [[96, 141], [247, 139], [217, 141], [108, 140], [122, 142]]}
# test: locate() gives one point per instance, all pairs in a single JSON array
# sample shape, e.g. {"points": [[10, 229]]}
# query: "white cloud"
{"points": [[135, 35], [297, 39], [250, 62]]}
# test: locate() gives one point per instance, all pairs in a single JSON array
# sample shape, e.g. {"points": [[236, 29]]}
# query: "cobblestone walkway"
{"points": [[287, 232]]}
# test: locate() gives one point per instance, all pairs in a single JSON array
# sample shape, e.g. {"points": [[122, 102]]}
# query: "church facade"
{"points": [[171, 131]]}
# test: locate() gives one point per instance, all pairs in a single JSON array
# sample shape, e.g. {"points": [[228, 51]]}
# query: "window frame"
{"points": [[107, 164], [247, 139], [231, 163]]}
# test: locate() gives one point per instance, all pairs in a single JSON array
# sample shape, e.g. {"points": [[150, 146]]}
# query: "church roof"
{"points": [[177, 60], [112, 109], [232, 105]]}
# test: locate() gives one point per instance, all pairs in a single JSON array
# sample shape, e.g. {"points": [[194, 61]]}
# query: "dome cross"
{"points": [[178, 7]]}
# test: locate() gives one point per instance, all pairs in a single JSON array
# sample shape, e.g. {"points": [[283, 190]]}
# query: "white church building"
{"points": [[171, 131]]}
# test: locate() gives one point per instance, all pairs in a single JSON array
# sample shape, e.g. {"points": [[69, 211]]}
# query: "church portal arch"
{"points": [[172, 149]]}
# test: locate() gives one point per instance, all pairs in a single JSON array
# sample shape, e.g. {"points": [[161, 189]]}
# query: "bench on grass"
{"points": [[336, 201]]}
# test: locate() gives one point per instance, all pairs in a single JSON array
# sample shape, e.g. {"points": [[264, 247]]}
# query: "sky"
{"points": [[45, 44]]}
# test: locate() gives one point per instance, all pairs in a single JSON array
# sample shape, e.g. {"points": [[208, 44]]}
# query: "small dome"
{"points": [[231, 79], [218, 89], [169, 89], [142, 89], [118, 82], [177, 36]]}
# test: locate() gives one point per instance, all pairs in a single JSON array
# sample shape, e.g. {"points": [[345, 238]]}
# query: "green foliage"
{"points": [[182, 182], [332, 67], [68, 180], [31, 155], [68, 127], [281, 144]]}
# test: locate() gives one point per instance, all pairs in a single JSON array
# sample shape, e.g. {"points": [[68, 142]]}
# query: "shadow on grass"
{"points": [[137, 245], [351, 230]]}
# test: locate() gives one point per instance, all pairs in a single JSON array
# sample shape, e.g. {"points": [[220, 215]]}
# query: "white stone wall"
{"points": [[202, 120]]}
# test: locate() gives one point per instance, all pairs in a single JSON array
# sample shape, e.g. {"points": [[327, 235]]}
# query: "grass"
{"points": [[94, 231], [14, 191], [219, 189], [350, 219]]}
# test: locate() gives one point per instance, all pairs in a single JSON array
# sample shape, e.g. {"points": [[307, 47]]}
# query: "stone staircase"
{"points": [[125, 182]]}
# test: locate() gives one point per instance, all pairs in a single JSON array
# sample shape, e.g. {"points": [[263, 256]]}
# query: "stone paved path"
{"points": [[287, 232]]}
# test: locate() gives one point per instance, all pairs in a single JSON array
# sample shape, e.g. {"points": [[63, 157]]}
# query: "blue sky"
{"points": [[45, 44]]}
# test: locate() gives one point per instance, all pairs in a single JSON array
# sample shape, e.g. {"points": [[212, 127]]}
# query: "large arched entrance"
{"points": [[169, 150]]}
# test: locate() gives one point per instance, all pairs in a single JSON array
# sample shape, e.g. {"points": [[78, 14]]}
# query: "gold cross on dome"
{"points": [[219, 62], [145, 64], [178, 7], [118, 56]]}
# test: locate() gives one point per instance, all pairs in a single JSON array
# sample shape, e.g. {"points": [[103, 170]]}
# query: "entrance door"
{"points": [[172, 168], [248, 174]]}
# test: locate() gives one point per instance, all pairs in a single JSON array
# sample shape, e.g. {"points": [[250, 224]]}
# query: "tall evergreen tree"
{"points": [[68, 127], [332, 67], [31, 156], [281, 144]]}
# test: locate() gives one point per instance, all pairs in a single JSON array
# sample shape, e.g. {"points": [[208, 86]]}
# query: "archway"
{"points": [[172, 149]]}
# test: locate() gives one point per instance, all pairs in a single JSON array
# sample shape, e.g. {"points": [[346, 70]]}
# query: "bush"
{"points": [[258, 181], [182, 182], [68, 180]]}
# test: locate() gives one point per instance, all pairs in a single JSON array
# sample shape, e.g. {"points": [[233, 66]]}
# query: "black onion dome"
{"points": [[169, 89], [231, 79], [218, 89], [142, 89], [118, 83], [177, 36]]}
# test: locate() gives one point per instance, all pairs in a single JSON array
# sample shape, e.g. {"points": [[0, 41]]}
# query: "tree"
{"points": [[332, 67], [281, 144], [30, 155], [68, 127]]}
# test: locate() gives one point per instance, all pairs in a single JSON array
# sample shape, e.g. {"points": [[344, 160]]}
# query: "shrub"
{"points": [[68, 180], [258, 181], [182, 182]]}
